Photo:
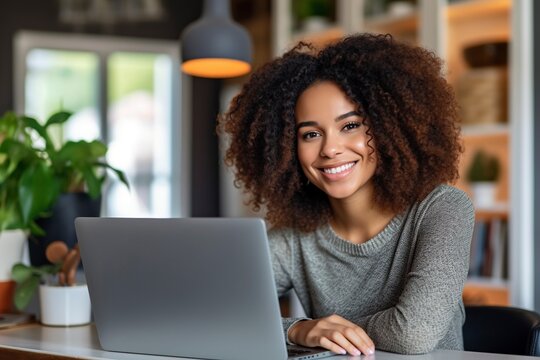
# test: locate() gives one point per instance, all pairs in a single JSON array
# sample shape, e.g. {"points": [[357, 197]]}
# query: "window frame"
{"points": [[103, 47]]}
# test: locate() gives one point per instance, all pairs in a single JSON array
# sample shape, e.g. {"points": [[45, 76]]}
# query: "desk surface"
{"points": [[40, 342]]}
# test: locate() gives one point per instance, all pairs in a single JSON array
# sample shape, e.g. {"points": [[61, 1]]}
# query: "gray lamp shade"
{"points": [[215, 46]]}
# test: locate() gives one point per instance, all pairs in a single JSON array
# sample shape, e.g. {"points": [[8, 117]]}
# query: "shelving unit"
{"points": [[467, 23], [405, 27], [447, 29]]}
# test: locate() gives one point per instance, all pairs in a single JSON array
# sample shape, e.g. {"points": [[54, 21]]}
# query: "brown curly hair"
{"points": [[409, 107]]}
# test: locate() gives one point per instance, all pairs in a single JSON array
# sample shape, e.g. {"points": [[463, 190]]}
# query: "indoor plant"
{"points": [[15, 157], [34, 171], [36, 174], [312, 15], [36, 178], [482, 176], [62, 302]]}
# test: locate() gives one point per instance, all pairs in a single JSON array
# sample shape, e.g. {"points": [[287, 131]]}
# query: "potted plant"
{"points": [[48, 185], [44, 186], [62, 302], [15, 158], [482, 175], [312, 15]]}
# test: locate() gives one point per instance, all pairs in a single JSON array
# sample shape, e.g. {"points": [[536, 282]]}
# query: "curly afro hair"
{"points": [[409, 108]]}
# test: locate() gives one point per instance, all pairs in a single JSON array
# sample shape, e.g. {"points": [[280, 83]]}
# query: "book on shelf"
{"points": [[489, 249]]}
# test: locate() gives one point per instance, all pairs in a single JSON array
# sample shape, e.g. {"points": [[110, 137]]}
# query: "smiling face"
{"points": [[333, 145]]}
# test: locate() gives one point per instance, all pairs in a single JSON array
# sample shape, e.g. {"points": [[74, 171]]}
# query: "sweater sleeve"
{"points": [[434, 285], [282, 257]]}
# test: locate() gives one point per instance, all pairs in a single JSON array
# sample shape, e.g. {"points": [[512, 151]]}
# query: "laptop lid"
{"points": [[192, 287]]}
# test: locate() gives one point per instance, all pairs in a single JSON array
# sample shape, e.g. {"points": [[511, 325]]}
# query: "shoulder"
{"points": [[281, 237], [286, 238], [444, 211], [280, 234], [448, 198], [284, 235]]}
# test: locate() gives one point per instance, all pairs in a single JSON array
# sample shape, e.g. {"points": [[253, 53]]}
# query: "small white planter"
{"points": [[64, 305], [483, 194]]}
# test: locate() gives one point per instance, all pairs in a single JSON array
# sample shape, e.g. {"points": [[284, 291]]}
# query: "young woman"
{"points": [[351, 149]]}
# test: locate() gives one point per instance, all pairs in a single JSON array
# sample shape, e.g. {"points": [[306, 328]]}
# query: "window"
{"points": [[125, 92]]}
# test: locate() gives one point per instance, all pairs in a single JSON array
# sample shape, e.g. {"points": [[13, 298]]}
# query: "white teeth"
{"points": [[338, 169]]}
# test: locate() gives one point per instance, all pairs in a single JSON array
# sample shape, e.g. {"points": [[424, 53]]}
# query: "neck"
{"points": [[357, 218]]}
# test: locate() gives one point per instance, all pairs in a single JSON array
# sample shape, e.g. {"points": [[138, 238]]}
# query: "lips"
{"points": [[337, 172], [338, 169]]}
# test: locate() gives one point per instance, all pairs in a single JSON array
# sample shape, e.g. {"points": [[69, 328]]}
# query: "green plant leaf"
{"points": [[93, 182], [17, 157], [36, 229], [120, 174], [58, 118], [484, 167], [49, 269], [25, 291], [97, 149], [38, 189], [9, 217], [20, 273], [40, 129], [82, 151]]}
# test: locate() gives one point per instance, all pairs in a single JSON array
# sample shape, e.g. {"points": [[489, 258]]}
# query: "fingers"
{"points": [[335, 334], [332, 346], [358, 333], [346, 340]]}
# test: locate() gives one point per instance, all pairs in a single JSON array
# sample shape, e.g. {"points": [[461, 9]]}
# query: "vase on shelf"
{"points": [[483, 194]]}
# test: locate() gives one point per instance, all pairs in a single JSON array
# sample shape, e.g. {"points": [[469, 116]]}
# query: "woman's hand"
{"points": [[333, 333]]}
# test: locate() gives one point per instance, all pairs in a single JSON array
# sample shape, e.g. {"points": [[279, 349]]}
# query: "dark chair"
{"points": [[505, 330]]}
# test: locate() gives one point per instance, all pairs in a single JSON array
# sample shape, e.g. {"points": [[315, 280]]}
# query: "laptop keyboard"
{"points": [[307, 354], [297, 352]]}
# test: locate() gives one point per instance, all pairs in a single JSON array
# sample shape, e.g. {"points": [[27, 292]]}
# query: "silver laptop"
{"points": [[189, 287]]}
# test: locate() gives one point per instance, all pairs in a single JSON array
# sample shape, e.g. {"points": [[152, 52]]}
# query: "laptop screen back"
{"points": [[194, 287]]}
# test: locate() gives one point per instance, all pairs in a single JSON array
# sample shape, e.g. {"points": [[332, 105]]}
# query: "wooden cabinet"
{"points": [[456, 25]]}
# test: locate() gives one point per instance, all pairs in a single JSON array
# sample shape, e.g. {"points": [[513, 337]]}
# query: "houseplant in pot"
{"points": [[482, 176], [53, 183], [62, 302], [20, 165], [44, 186]]}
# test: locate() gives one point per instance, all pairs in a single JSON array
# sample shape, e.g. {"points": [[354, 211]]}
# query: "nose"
{"points": [[331, 147]]}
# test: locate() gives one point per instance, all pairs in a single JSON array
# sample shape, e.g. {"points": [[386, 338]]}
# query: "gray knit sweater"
{"points": [[403, 286]]}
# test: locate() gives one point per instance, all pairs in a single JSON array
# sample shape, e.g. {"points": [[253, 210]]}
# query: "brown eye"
{"points": [[351, 126], [309, 135]]}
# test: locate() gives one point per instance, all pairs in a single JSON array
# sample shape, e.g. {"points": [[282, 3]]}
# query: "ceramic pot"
{"points": [[60, 225], [11, 252], [483, 193], [64, 305]]}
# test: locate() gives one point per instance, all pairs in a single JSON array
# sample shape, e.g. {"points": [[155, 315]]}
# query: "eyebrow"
{"points": [[339, 118]]}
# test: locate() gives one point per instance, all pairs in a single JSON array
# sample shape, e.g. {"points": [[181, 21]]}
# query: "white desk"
{"points": [[41, 342]]}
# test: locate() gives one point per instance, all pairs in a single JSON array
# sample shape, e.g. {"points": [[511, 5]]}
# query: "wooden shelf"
{"points": [[487, 282], [393, 24], [484, 130], [457, 12], [486, 292], [319, 38], [472, 9], [486, 214]]}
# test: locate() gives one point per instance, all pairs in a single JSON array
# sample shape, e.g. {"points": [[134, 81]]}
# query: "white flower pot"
{"points": [[11, 251], [64, 305], [483, 194]]}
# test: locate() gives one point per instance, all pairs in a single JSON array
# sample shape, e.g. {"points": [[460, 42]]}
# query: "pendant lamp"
{"points": [[215, 46]]}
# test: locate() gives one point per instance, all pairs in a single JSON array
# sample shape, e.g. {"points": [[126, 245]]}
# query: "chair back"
{"points": [[505, 330]]}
